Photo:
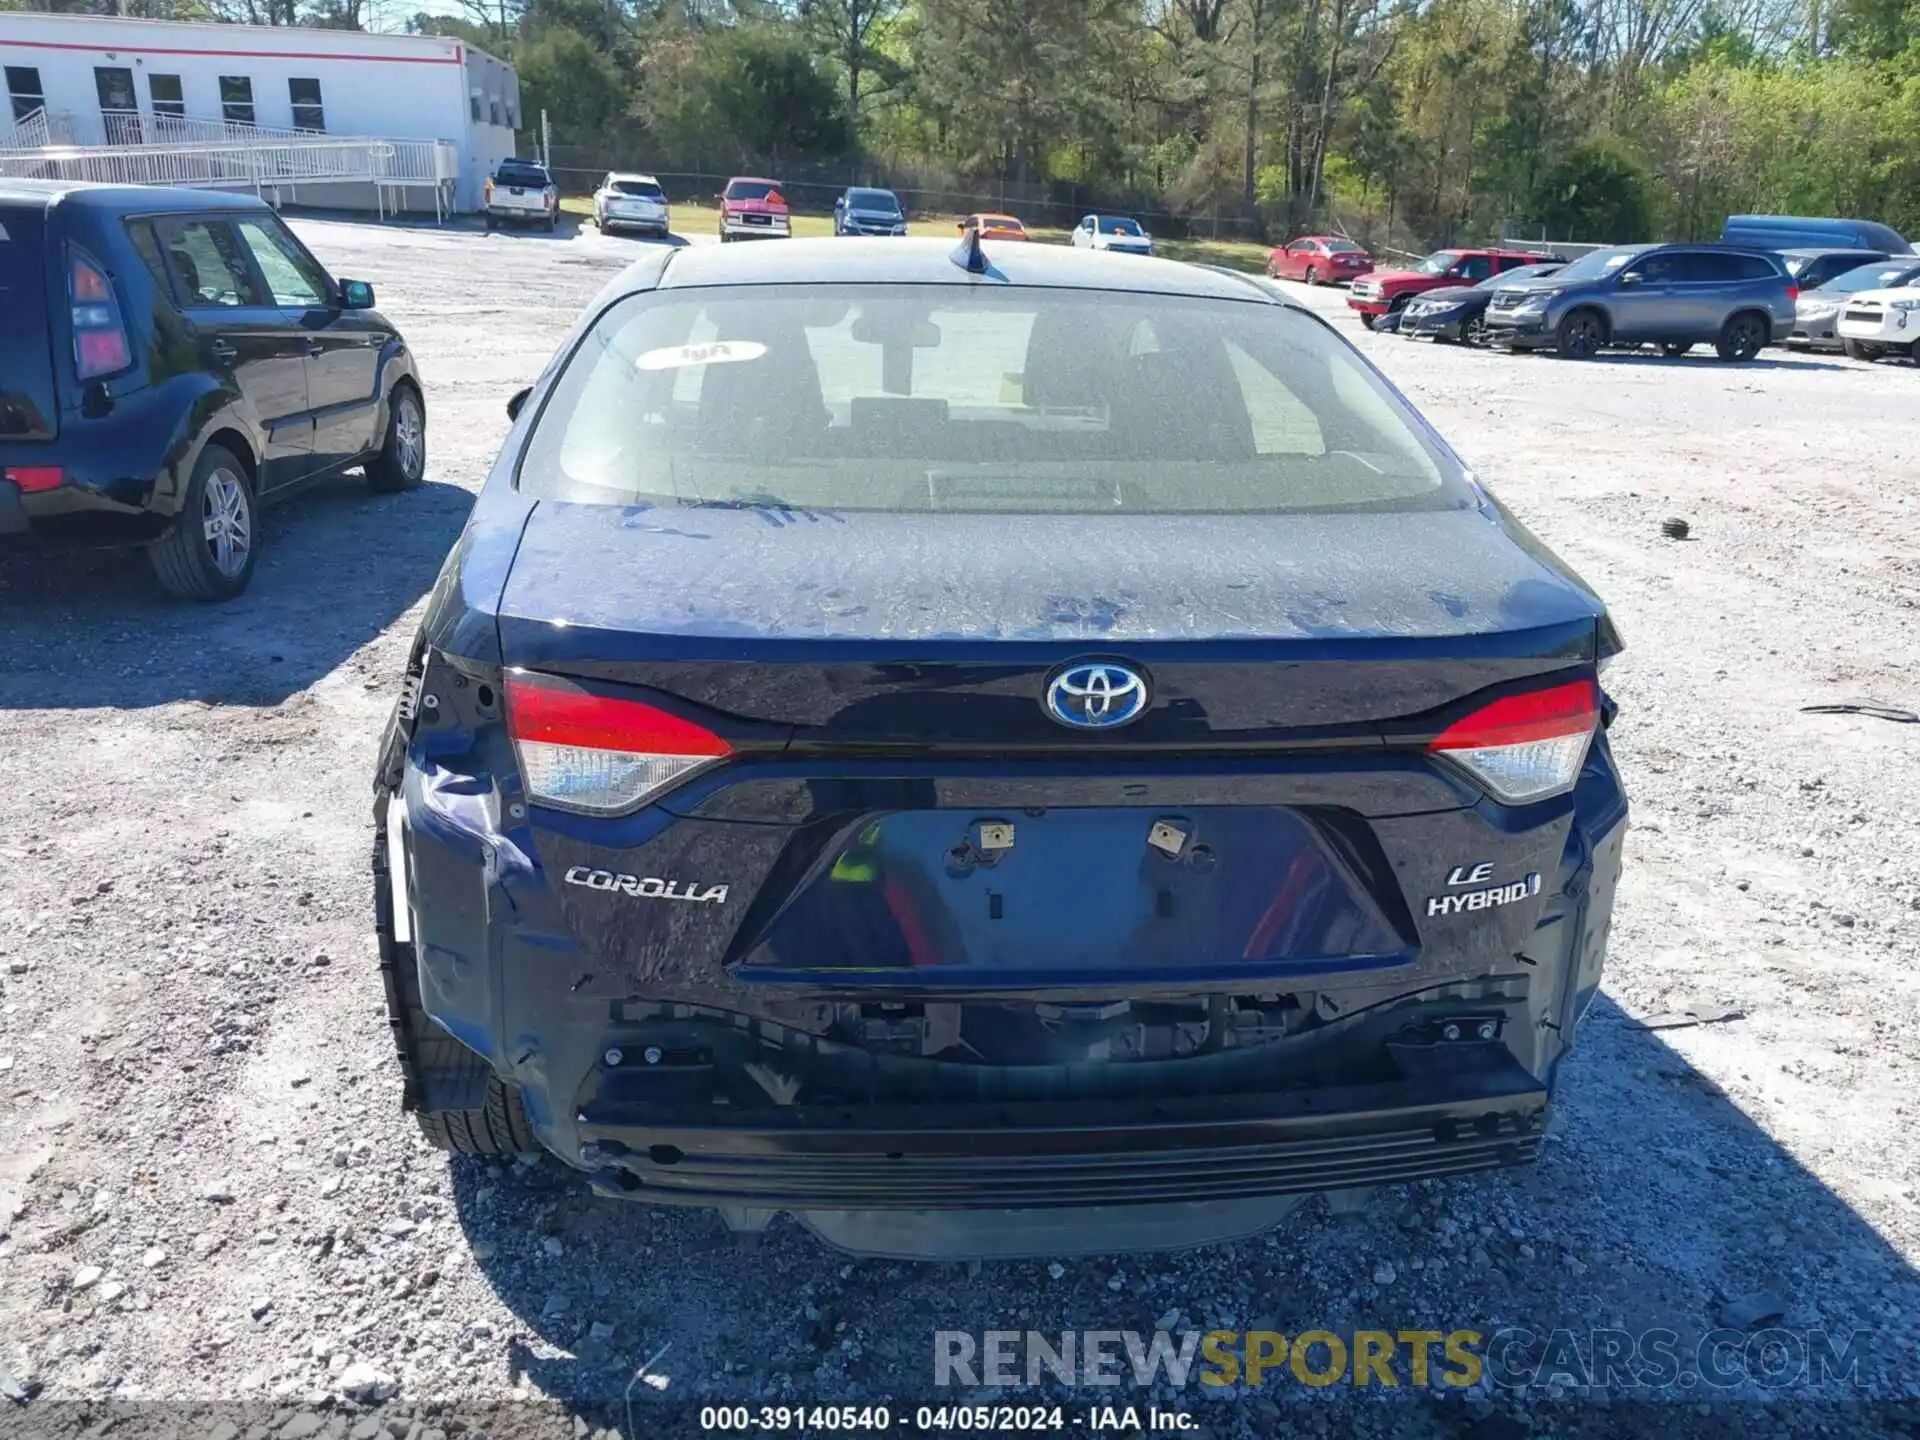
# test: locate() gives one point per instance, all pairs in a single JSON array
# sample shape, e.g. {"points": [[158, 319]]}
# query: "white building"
{"points": [[84, 81]]}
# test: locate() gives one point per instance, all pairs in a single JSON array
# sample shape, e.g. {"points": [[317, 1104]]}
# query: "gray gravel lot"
{"points": [[207, 1191]]}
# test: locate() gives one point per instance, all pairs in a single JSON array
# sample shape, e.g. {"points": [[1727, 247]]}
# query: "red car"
{"points": [[1319, 260], [753, 209], [1386, 292]]}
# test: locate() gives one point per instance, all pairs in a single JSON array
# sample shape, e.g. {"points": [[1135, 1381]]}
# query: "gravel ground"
{"points": [[208, 1194]]}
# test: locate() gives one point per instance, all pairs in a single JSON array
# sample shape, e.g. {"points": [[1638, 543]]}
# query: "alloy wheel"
{"points": [[227, 522], [409, 435]]}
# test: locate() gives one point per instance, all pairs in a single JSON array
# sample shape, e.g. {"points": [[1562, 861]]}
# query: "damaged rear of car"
{"points": [[1051, 758]]}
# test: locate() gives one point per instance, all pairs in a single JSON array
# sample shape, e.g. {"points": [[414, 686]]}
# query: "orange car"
{"points": [[995, 227]]}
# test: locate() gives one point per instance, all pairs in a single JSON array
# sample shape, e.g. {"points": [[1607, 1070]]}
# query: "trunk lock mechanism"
{"points": [[986, 844]]}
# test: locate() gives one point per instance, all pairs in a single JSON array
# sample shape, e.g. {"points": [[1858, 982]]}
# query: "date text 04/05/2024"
{"points": [[946, 1419]]}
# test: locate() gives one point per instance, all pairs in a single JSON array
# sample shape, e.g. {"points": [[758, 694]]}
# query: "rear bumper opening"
{"points": [[1481, 1111]]}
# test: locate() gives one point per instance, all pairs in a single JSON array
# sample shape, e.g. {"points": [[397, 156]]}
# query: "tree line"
{"points": [[1434, 120]]}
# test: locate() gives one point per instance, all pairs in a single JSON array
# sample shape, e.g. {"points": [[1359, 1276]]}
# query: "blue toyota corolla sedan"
{"points": [[1004, 750]]}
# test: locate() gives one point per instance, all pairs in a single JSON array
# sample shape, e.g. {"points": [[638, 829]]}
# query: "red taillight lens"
{"points": [[1526, 747], [1793, 292], [34, 477], [599, 755], [100, 344]]}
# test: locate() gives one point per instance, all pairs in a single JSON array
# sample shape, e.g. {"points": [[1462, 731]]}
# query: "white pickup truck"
{"points": [[522, 192]]}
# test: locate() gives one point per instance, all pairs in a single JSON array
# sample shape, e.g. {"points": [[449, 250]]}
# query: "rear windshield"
{"points": [[511, 174], [751, 189], [1343, 247], [1120, 227], [939, 398], [644, 189], [879, 200]]}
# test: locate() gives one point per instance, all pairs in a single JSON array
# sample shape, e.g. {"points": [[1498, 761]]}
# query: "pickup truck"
{"points": [[1386, 292], [752, 208], [522, 192]]}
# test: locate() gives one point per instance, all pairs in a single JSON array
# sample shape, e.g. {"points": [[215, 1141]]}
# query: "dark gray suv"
{"points": [[1674, 296]]}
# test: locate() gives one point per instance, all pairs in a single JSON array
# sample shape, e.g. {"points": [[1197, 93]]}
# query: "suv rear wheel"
{"points": [[1579, 335], [208, 551], [1742, 337]]}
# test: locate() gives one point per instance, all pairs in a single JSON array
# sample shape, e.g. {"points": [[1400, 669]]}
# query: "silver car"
{"points": [[628, 201], [1816, 314]]}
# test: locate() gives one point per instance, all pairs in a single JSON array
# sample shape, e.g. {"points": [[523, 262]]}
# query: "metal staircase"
{"points": [[220, 155]]}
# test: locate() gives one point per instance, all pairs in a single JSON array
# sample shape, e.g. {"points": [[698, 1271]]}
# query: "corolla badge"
{"points": [[1096, 695]]}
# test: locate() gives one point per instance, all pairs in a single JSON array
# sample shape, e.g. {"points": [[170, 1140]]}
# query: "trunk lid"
{"points": [[900, 816], [883, 628], [29, 402]]}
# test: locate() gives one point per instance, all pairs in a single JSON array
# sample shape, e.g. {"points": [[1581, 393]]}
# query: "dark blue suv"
{"points": [[1674, 296]]}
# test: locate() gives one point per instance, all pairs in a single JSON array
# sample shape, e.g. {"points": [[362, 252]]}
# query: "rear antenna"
{"points": [[968, 255]]}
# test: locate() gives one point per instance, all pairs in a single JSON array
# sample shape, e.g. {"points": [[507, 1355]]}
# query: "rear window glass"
{"points": [[521, 175], [939, 398], [1343, 247], [752, 190], [1120, 227], [643, 189], [881, 200]]}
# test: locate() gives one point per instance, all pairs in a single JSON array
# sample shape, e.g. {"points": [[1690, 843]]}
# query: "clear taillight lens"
{"points": [[1529, 746], [600, 755]]}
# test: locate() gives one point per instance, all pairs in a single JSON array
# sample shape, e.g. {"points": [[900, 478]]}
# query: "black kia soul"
{"points": [[172, 359]]}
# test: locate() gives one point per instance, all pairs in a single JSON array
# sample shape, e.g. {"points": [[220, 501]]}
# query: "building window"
{"points": [[23, 84], [236, 99], [119, 109], [493, 109], [473, 104], [167, 96], [307, 111]]}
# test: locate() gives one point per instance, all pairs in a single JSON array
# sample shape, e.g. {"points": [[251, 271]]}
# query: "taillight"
{"points": [[33, 477], [599, 755], [1529, 746], [1793, 292], [100, 344]]}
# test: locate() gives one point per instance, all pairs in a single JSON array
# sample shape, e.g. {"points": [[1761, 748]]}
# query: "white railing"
{"points": [[37, 129], [249, 158]]}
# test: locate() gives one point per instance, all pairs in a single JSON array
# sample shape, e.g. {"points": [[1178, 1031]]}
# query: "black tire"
{"points": [[490, 223], [1579, 335], [1474, 332], [497, 1128], [1742, 337], [1313, 276], [189, 561], [1367, 321], [1862, 350], [1673, 350], [498, 1125], [402, 461]]}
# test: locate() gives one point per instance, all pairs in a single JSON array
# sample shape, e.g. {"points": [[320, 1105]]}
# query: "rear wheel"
{"points": [[208, 551], [496, 1124], [402, 460], [1579, 335], [1673, 350], [1741, 338], [1313, 276]]}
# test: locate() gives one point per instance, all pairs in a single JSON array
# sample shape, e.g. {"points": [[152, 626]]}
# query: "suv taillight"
{"points": [[600, 754], [1793, 293], [100, 344], [1526, 747]]}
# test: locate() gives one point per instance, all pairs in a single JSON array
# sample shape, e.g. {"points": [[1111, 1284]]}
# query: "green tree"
{"points": [[563, 73]]}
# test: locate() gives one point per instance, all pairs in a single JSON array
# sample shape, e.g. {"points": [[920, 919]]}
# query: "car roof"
{"points": [[124, 199], [750, 180], [999, 215], [931, 262], [1815, 251]]}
